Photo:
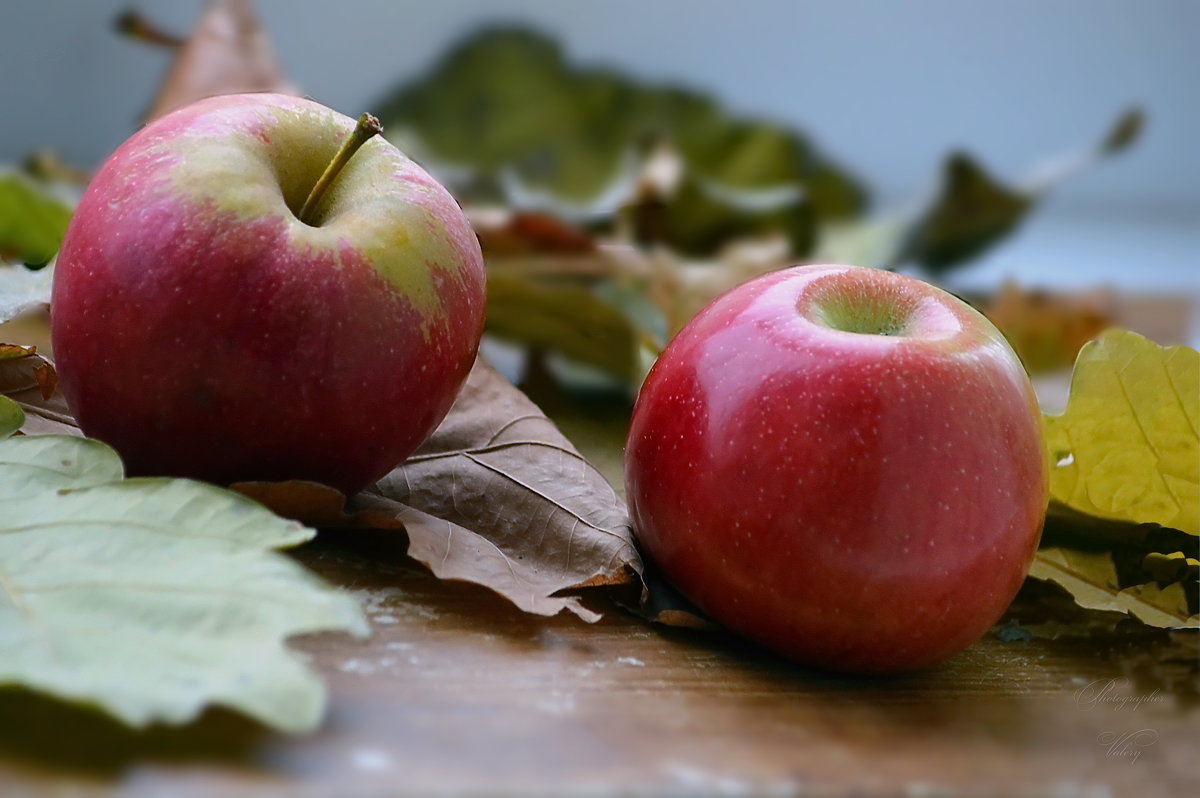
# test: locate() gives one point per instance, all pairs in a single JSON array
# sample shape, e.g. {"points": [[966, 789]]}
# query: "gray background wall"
{"points": [[888, 87]]}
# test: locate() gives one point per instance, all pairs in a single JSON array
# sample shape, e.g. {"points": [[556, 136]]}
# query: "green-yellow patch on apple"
{"points": [[262, 165]]}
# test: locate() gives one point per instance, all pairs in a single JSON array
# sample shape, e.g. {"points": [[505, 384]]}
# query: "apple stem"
{"points": [[367, 127]]}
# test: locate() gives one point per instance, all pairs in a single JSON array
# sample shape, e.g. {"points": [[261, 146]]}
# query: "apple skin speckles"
{"points": [[859, 502], [203, 330]]}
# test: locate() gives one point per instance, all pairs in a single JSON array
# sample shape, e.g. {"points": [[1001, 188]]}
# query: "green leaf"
{"points": [[506, 101], [1125, 131], [32, 221], [700, 217], [152, 599], [1091, 578], [973, 210], [11, 417], [1126, 448]]}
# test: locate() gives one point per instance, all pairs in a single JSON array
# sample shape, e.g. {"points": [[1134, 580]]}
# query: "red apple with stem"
{"points": [[844, 464], [254, 288]]}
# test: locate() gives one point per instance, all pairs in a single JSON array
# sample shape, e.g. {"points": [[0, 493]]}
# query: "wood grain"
{"points": [[457, 692]]}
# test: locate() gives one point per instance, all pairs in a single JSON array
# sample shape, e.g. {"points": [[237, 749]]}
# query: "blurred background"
{"points": [[966, 142]]}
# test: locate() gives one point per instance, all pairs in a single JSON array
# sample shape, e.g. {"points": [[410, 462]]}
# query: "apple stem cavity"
{"points": [[885, 311], [367, 127]]}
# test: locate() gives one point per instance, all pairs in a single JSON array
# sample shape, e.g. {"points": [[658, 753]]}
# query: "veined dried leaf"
{"points": [[1127, 447], [499, 497], [152, 599], [227, 53], [314, 504], [24, 375], [1091, 578]]}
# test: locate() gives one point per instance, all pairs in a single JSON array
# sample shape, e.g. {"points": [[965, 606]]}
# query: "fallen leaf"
{"points": [[1126, 448], [499, 497], [152, 599], [1048, 330], [661, 603], [227, 53], [702, 217], [563, 315], [1172, 567], [505, 234], [24, 376], [1045, 610], [11, 417], [1091, 579], [33, 221], [313, 504], [1069, 528], [47, 379]]}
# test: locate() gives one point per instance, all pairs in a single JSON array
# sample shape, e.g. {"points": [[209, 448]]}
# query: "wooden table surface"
{"points": [[456, 692]]}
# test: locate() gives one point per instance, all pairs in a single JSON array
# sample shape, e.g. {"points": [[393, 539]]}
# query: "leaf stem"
{"points": [[133, 24], [367, 127]]}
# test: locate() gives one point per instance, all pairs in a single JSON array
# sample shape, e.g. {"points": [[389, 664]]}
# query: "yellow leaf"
{"points": [[1126, 448], [1091, 578], [1173, 567]]}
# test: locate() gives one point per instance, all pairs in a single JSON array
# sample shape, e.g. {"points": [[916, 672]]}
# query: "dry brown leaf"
{"points": [[498, 496], [663, 604], [1048, 330], [30, 380], [510, 233], [47, 379], [227, 53], [313, 504]]}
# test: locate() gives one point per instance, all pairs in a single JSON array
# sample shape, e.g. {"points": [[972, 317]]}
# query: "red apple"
{"points": [[844, 464], [204, 330]]}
